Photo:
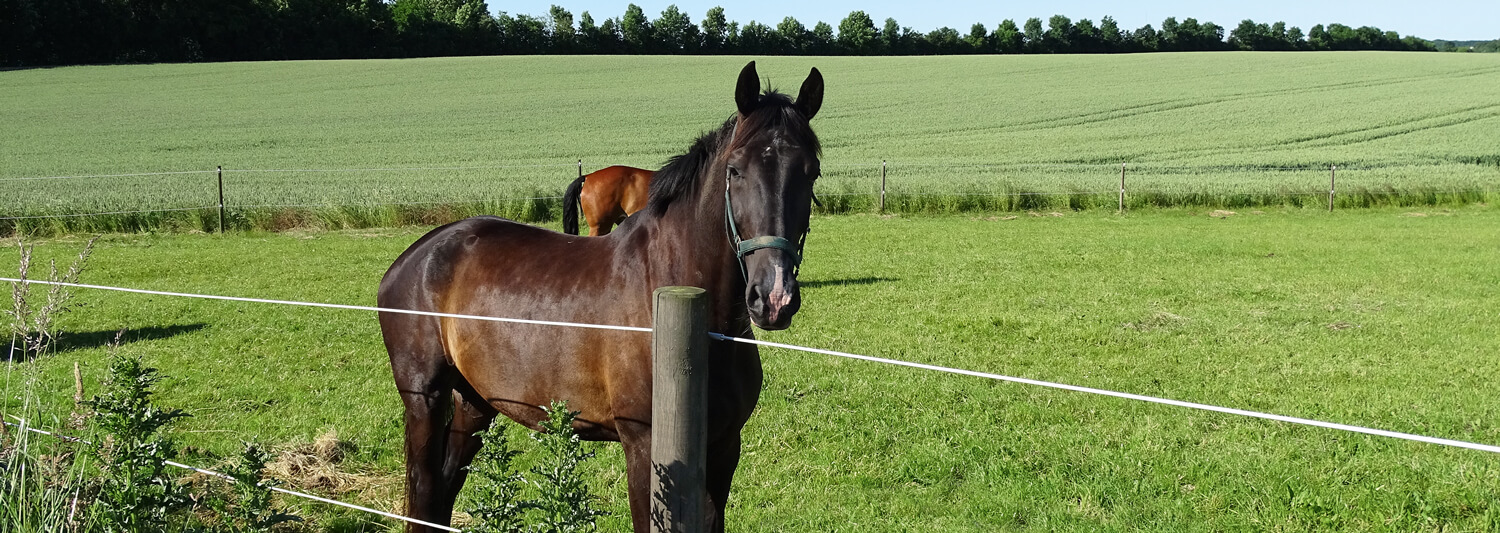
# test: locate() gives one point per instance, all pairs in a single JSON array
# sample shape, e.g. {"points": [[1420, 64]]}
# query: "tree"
{"points": [[820, 41], [978, 40], [1059, 36], [1145, 39], [560, 30], [1110, 37], [715, 30], [944, 41], [636, 30], [1008, 38], [1294, 39], [793, 36], [1086, 37], [857, 34], [756, 38], [1168, 38], [588, 34], [1317, 38], [1034, 35], [890, 38], [1249, 36], [675, 32]]}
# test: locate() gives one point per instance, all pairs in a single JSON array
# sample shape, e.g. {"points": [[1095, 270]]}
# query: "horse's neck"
{"points": [[692, 242]]}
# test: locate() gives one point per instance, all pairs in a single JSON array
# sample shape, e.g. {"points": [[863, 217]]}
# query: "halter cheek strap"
{"points": [[744, 247]]}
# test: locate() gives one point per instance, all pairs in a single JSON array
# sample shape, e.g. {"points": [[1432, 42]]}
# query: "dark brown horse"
{"points": [[750, 179], [607, 196]]}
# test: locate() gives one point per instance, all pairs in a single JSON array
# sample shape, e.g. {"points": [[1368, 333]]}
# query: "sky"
{"points": [[1454, 20]]}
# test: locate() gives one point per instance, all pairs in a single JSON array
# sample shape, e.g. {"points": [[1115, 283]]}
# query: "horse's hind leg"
{"points": [[425, 381], [426, 427], [471, 414]]}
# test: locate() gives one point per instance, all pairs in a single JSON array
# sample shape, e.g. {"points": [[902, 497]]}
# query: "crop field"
{"points": [[448, 137], [1381, 317]]}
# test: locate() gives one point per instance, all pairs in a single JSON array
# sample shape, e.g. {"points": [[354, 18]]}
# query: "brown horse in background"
{"points": [[728, 216], [607, 196]]}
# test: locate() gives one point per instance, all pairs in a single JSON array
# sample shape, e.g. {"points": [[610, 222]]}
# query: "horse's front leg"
{"points": [[723, 459], [635, 437]]}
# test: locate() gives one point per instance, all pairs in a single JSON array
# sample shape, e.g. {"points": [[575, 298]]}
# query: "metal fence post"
{"points": [[1122, 187], [882, 186], [1333, 171], [580, 168], [679, 431], [221, 199]]}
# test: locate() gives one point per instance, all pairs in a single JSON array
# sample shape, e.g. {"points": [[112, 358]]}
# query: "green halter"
{"points": [[744, 247]]}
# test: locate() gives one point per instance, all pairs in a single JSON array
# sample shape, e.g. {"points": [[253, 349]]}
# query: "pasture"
{"points": [[1379, 317], [449, 137]]}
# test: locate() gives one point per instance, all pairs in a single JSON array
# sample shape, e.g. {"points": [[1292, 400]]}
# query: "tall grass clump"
{"points": [[42, 479], [33, 325]]}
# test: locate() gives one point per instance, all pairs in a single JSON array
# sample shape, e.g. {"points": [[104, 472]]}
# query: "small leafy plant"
{"points": [[135, 492], [243, 503], [559, 500]]}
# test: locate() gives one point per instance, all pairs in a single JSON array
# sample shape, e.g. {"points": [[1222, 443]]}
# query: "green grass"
{"points": [[1199, 129], [1380, 317]]}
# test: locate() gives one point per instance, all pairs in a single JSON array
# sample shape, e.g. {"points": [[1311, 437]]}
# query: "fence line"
{"points": [[110, 213], [437, 202], [1126, 395], [1137, 167], [334, 306], [894, 164], [25, 427], [398, 169], [111, 175], [1074, 388]]}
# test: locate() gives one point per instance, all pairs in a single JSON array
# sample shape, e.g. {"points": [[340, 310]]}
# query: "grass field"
{"points": [[1379, 317], [1205, 129]]}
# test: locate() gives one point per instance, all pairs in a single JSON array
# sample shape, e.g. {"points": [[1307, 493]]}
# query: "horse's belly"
{"points": [[519, 368]]}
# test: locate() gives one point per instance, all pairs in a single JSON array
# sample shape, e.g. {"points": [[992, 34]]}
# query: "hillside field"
{"points": [[1377, 317], [455, 136]]}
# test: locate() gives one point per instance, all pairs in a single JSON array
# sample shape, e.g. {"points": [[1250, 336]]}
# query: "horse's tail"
{"points": [[570, 206]]}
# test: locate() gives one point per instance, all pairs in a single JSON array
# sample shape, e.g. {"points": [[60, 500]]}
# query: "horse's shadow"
{"points": [[843, 282], [71, 341]]}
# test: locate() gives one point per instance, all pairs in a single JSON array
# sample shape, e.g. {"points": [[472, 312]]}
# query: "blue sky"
{"points": [[1441, 19]]}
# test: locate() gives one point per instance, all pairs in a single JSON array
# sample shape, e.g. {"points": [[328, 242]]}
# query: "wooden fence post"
{"points": [[679, 430], [1333, 171], [882, 186], [221, 199], [1122, 187]]}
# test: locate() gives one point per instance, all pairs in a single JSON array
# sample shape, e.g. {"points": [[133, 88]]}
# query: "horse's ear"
{"points": [[810, 98], [747, 90]]}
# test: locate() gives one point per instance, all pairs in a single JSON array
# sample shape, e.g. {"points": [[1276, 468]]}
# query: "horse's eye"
{"points": [[734, 172]]}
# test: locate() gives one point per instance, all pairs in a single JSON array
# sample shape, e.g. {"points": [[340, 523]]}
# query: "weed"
{"points": [[135, 493], [34, 326]]}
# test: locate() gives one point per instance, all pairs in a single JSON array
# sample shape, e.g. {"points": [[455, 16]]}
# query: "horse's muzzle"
{"points": [[773, 298]]}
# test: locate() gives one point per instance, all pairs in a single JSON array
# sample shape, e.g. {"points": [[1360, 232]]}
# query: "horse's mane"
{"points": [[681, 175]]}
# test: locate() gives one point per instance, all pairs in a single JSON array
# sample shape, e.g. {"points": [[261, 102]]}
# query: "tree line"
{"points": [[56, 32]]}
